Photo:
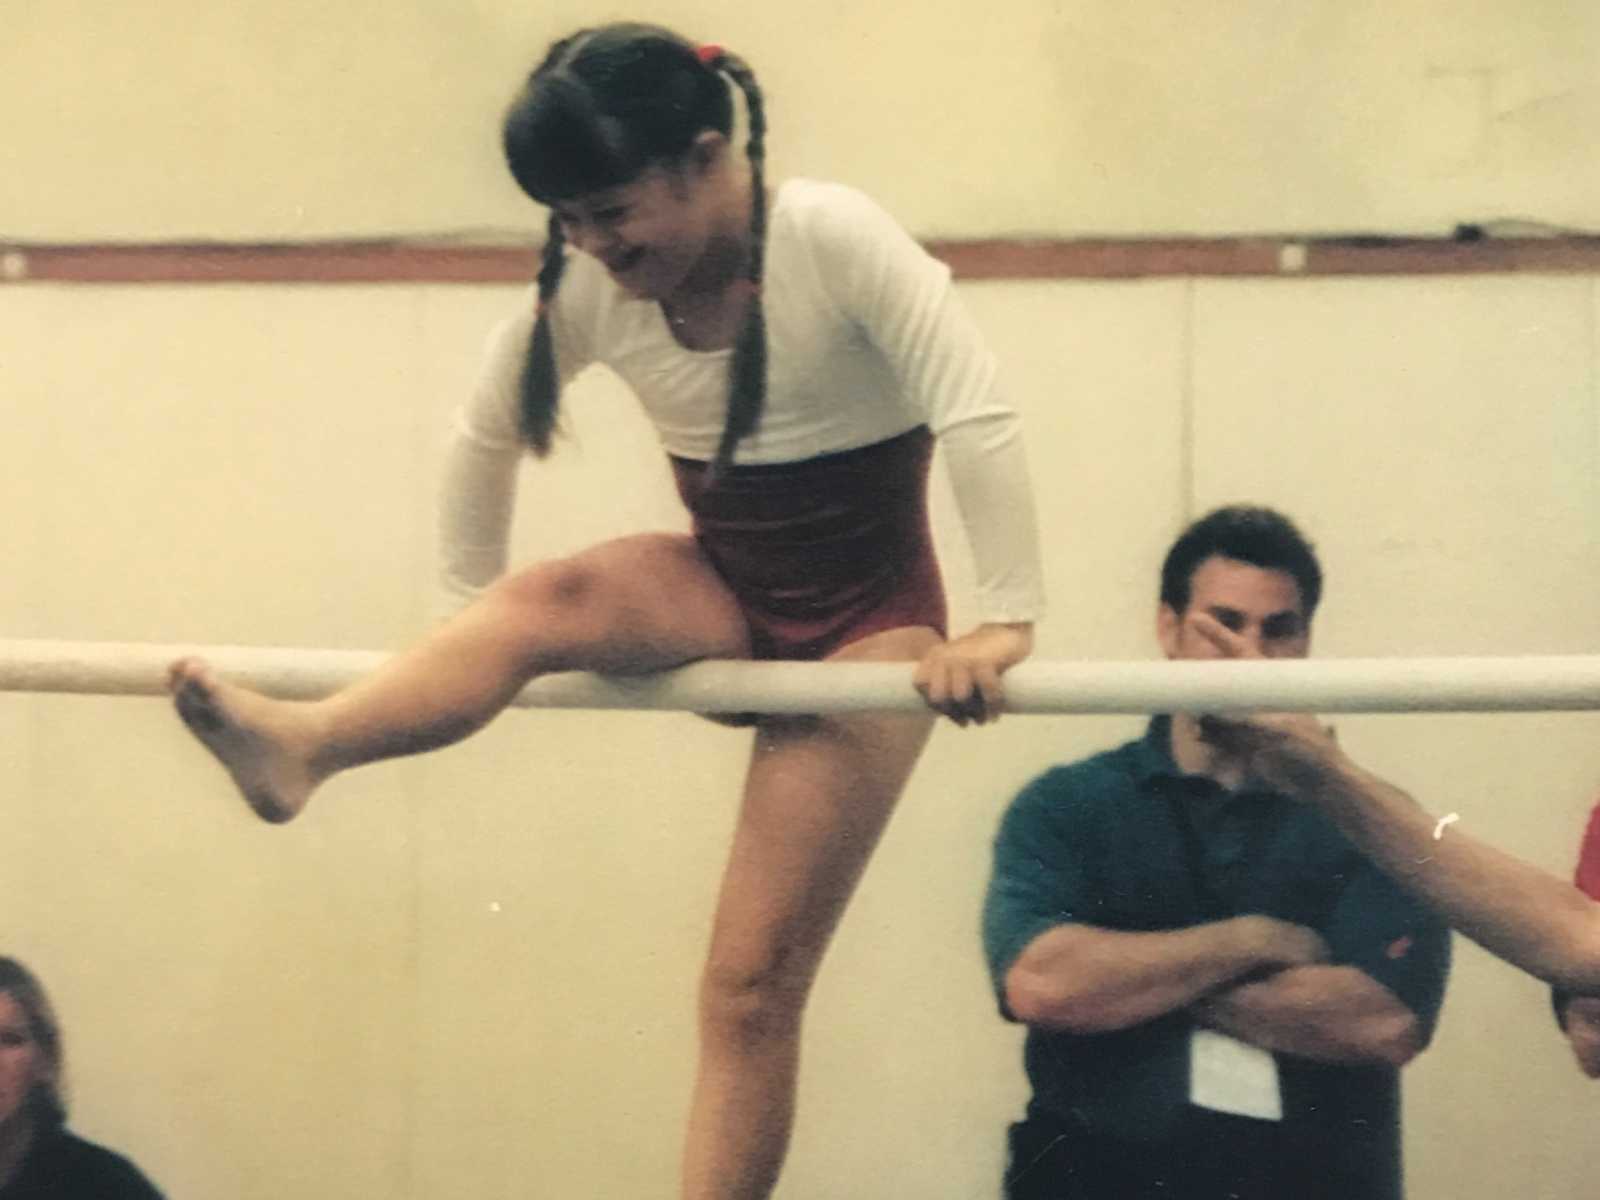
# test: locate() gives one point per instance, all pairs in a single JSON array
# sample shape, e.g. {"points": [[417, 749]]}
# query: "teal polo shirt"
{"points": [[1104, 842]]}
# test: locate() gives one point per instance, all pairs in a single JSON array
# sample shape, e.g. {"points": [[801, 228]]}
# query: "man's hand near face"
{"points": [[1291, 752]]}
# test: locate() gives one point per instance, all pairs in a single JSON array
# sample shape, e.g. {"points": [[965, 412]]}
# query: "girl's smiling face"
{"points": [[656, 232]]}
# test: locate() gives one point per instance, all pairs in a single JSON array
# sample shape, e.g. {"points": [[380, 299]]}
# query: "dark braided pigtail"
{"points": [[540, 383], [747, 374], [604, 105]]}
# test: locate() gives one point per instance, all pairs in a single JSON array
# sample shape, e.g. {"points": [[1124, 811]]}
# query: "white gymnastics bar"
{"points": [[1550, 683]]}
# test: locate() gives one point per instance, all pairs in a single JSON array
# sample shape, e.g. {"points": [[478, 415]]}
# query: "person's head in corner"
{"points": [[30, 1052]]}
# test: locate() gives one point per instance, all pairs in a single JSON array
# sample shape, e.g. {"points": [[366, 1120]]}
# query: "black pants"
{"points": [[1216, 1157]]}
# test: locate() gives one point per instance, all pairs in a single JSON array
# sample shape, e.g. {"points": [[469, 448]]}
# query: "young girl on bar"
{"points": [[798, 353]]}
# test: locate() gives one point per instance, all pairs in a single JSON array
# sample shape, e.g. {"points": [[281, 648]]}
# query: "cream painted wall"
{"points": [[238, 119], [472, 974]]}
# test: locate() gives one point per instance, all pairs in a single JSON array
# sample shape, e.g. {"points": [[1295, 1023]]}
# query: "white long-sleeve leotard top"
{"points": [[865, 340]]}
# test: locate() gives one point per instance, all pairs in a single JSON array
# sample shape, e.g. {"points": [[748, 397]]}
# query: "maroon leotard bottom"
{"points": [[823, 552]]}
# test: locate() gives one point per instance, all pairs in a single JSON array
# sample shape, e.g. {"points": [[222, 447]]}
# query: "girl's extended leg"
{"points": [[819, 793], [641, 603]]}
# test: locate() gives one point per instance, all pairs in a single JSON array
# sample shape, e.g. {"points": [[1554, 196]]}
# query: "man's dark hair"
{"points": [[1246, 533]]}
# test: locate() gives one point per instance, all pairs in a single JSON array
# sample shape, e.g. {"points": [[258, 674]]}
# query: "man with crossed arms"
{"points": [[1219, 990]]}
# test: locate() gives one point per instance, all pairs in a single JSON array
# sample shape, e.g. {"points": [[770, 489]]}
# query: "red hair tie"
{"points": [[710, 55]]}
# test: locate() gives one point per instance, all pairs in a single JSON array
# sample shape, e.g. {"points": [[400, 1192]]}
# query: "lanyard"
{"points": [[1194, 854]]}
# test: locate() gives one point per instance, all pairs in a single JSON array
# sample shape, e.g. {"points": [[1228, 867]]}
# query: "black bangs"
{"points": [[558, 146], [607, 103]]}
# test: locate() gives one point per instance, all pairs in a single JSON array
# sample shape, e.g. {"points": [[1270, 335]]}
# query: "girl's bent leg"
{"points": [[642, 603], [819, 792]]}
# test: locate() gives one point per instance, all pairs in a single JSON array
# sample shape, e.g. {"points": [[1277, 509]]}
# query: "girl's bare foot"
{"points": [[259, 740]]}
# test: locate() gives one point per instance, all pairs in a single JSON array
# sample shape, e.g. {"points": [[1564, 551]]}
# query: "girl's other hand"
{"points": [[961, 678]]}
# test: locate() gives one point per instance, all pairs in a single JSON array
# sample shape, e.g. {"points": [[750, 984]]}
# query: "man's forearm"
{"points": [[1086, 979], [1526, 916], [1335, 1014]]}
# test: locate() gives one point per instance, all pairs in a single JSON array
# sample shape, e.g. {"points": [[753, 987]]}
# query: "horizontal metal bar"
{"points": [[1494, 684]]}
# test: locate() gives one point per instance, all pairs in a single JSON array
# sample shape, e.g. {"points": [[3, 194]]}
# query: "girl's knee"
{"points": [[559, 591], [558, 610]]}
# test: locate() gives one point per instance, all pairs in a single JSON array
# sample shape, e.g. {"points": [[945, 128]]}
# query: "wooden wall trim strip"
{"points": [[210, 262], [991, 259]]}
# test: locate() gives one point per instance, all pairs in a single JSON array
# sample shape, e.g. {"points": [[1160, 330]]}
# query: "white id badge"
{"points": [[1231, 1076]]}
